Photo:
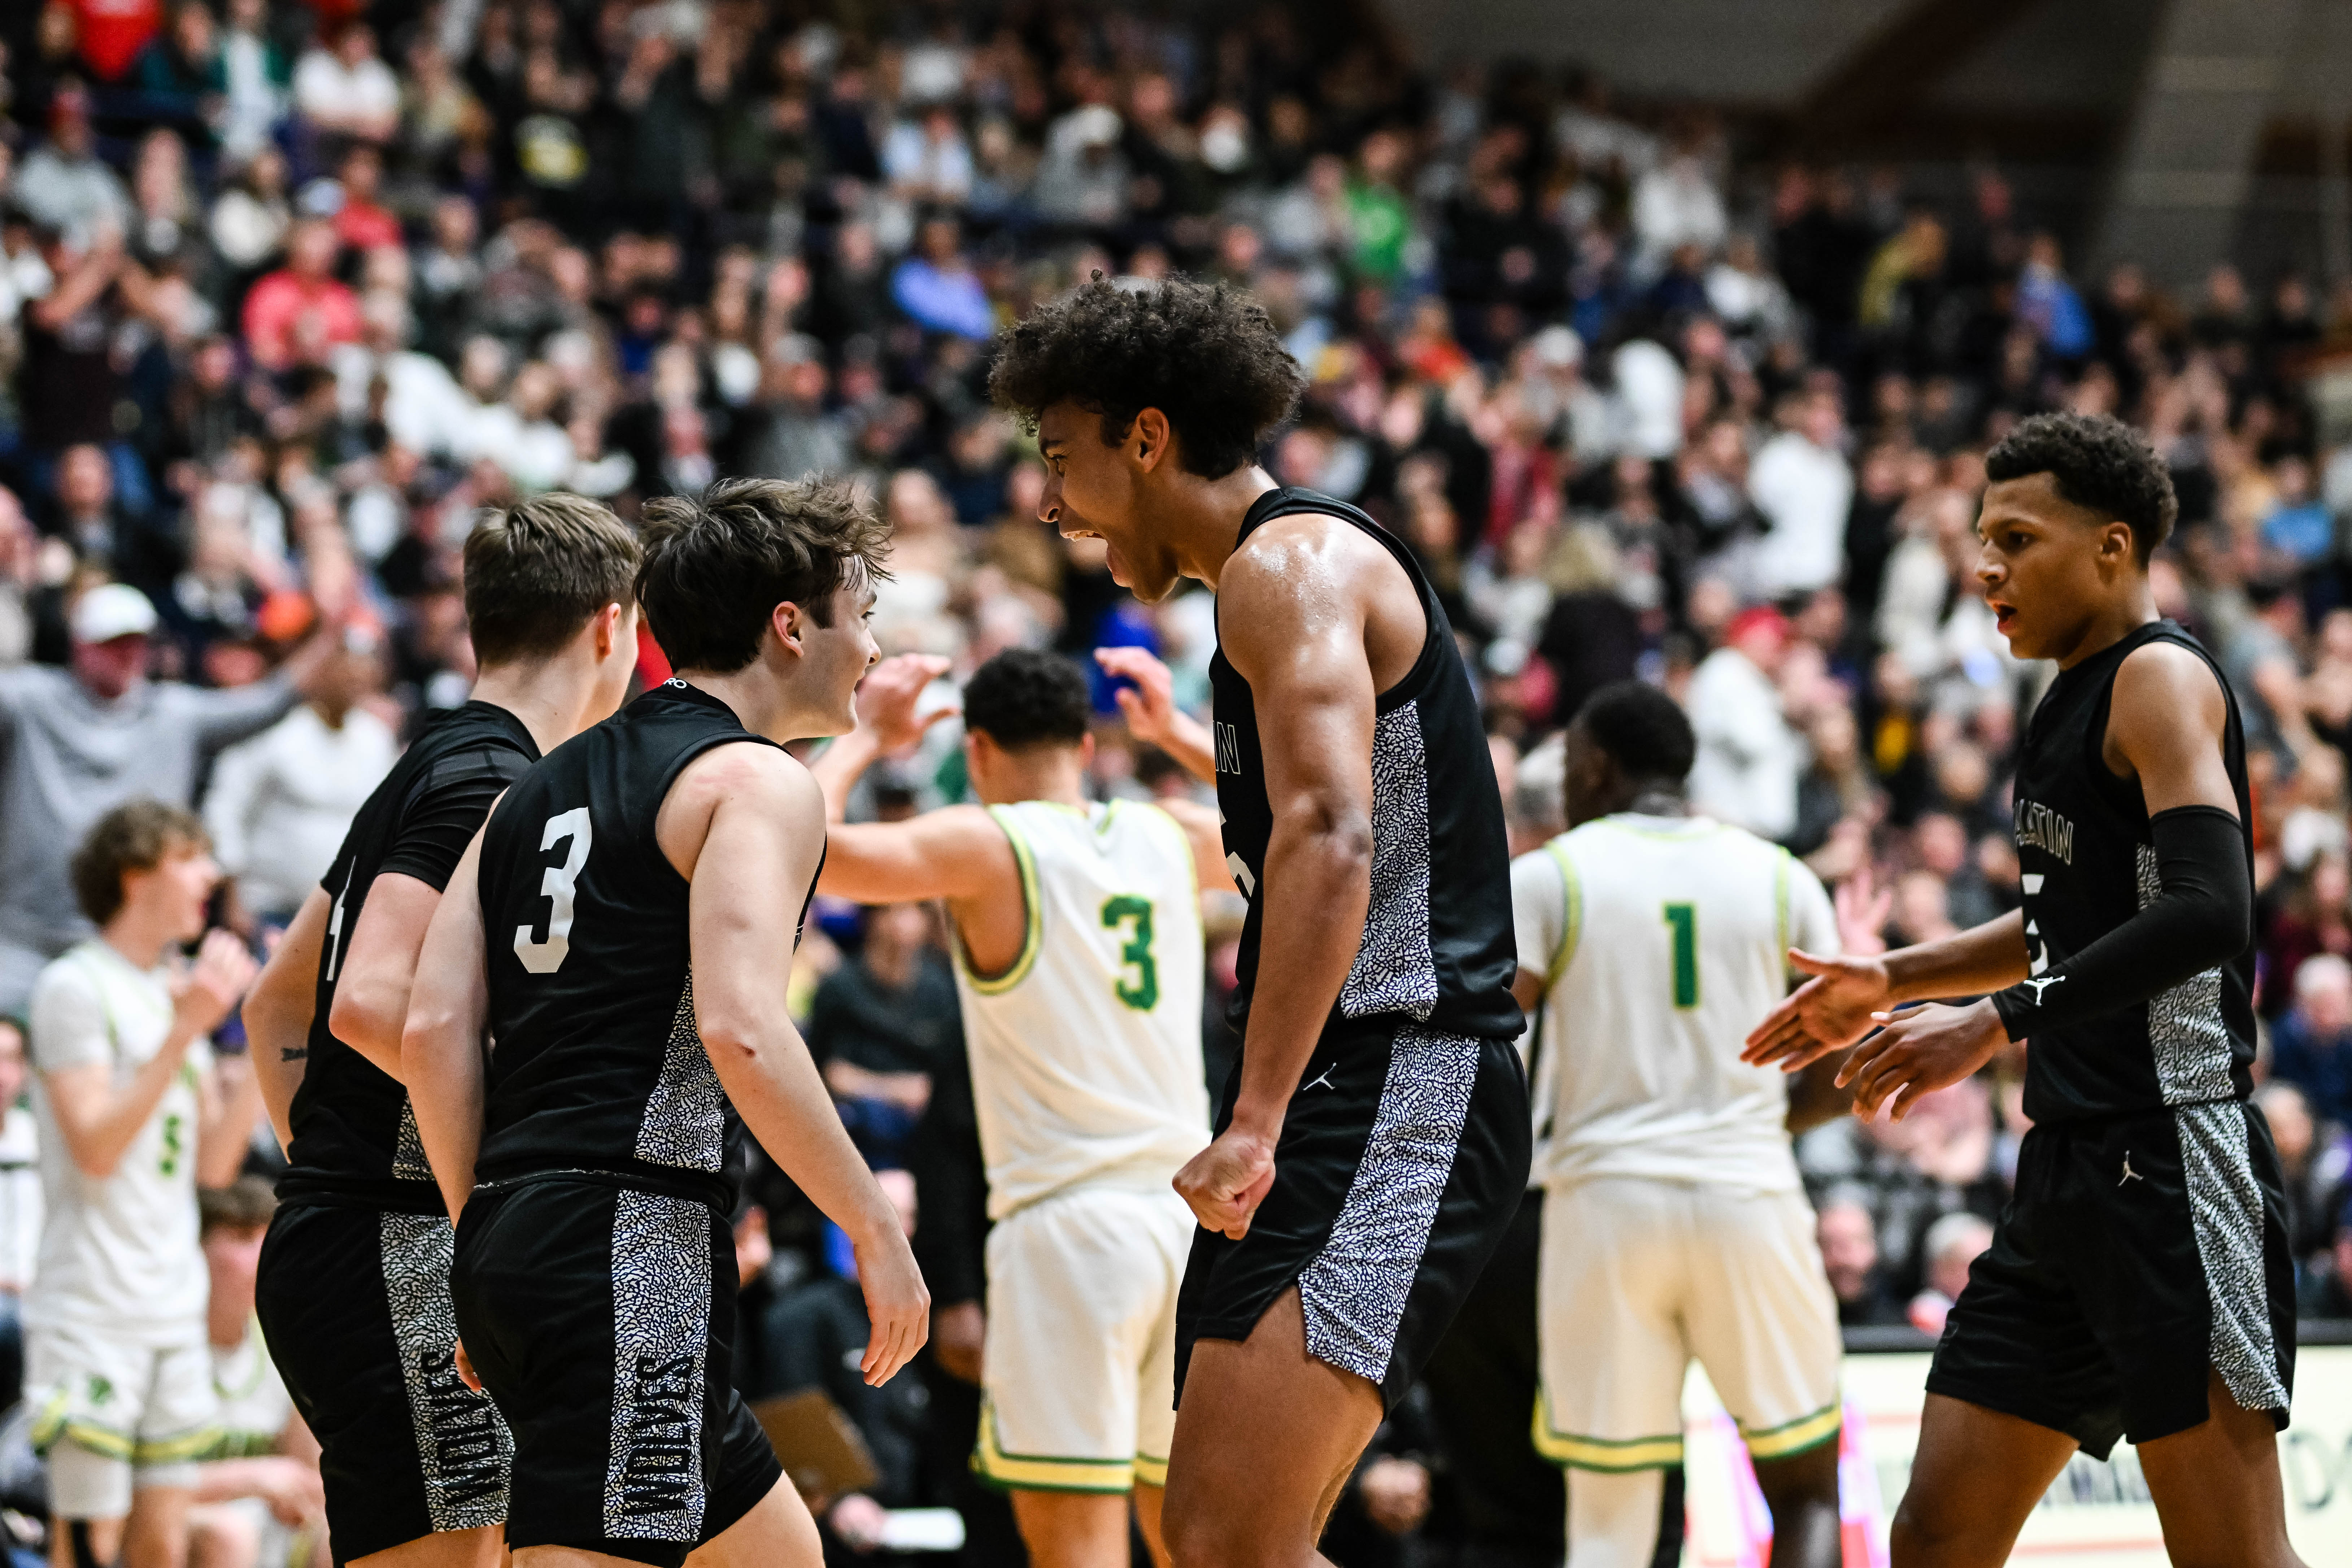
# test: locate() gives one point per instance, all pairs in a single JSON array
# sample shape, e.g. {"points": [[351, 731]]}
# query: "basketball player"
{"points": [[1675, 1223], [1079, 965], [621, 930], [1373, 1142], [2140, 1283], [353, 1287]]}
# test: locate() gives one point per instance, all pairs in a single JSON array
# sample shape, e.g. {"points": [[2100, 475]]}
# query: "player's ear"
{"points": [[1150, 438], [784, 620]]}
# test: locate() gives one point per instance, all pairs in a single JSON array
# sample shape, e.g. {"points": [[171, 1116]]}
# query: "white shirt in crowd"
{"points": [[325, 87], [1662, 941], [1748, 758], [20, 1199], [118, 1252], [1804, 491], [281, 803]]}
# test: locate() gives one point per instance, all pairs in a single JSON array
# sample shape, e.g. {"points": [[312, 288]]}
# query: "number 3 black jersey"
{"points": [[595, 1062], [2088, 864], [354, 1131]]}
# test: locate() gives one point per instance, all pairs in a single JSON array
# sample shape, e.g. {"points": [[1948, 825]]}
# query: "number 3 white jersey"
{"points": [[1663, 941], [1085, 1053]]}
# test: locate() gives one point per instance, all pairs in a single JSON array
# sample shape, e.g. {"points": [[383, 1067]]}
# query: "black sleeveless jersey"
{"points": [[1437, 945], [354, 1135], [2089, 865], [595, 1062]]}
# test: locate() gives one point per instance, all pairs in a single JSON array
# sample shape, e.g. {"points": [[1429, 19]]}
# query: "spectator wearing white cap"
{"points": [[83, 739]]}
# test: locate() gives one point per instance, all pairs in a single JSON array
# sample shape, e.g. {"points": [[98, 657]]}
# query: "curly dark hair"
{"points": [[1026, 697], [2097, 462], [716, 568], [1205, 355], [1643, 730]]}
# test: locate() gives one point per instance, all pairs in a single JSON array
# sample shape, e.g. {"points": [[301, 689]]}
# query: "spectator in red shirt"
{"points": [[300, 311], [363, 223], [112, 32]]}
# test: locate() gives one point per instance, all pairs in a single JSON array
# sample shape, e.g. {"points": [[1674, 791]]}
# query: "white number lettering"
{"points": [[557, 885]]}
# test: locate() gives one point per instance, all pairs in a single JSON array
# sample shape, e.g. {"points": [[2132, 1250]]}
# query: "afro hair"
{"points": [[2097, 462], [1206, 356]]}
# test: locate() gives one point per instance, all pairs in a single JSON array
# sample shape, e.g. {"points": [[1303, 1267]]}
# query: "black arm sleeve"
{"points": [[2203, 918], [441, 820]]}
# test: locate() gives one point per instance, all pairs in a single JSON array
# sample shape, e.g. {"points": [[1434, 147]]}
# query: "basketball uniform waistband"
{"points": [[710, 1190]]}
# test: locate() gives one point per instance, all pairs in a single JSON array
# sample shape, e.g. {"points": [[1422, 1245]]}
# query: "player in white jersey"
{"points": [[132, 1115], [1675, 1225], [1079, 964]]}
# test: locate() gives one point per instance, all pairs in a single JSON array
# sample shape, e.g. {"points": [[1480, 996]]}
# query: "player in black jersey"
{"points": [[2140, 1283], [622, 933], [1372, 1146], [353, 1291]]}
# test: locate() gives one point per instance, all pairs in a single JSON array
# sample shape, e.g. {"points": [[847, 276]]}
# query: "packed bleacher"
{"points": [[289, 292]]}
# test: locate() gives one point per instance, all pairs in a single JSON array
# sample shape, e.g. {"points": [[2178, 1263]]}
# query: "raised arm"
{"points": [[887, 723], [1151, 714], [441, 1039], [1298, 615], [747, 824], [277, 1012]]}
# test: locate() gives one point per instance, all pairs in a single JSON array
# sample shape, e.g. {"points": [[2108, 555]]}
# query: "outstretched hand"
{"points": [[1861, 908], [1827, 1013], [887, 697]]}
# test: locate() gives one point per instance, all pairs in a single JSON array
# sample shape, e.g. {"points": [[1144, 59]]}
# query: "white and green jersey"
{"points": [[1663, 941], [118, 1252], [253, 1404], [1085, 1053]]}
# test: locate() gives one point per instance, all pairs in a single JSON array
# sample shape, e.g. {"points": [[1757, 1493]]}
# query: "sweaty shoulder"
{"points": [[1310, 575], [751, 774]]}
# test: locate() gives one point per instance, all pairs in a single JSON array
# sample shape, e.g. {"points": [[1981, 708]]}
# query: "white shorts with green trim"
{"points": [[1640, 1277], [1078, 1371], [113, 1414]]}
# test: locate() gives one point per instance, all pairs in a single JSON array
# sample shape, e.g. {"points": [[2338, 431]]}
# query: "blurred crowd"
{"points": [[289, 291]]}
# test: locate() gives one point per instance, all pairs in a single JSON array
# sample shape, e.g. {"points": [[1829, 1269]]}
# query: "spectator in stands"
{"points": [[262, 1496], [85, 741], [341, 88], [881, 1024], [2311, 1047], [1803, 488], [279, 804], [299, 313], [2326, 1288], [63, 184], [1749, 757], [20, 1207], [1951, 1243], [1848, 1235]]}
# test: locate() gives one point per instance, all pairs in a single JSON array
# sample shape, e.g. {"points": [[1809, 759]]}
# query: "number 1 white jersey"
{"points": [[1664, 942], [1085, 1053]]}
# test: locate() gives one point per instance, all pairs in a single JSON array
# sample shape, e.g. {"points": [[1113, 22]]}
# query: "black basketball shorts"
{"points": [[355, 1306], [2136, 1253], [602, 1318], [1403, 1156]]}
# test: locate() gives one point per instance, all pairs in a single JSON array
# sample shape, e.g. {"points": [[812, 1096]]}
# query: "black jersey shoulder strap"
{"points": [[1288, 500]]}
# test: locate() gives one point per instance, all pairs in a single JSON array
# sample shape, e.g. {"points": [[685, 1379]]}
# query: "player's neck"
{"points": [[140, 939], [1059, 778], [551, 699], [2110, 623], [1202, 518], [763, 702]]}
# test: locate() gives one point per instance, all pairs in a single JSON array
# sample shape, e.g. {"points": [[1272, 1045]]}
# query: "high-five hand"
{"points": [[1827, 1013], [1918, 1052], [1149, 706]]}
